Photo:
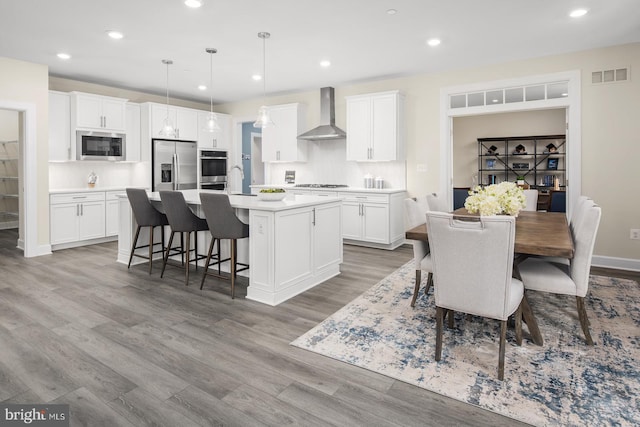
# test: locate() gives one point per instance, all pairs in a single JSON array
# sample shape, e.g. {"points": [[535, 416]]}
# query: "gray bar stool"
{"points": [[223, 224], [146, 216], [182, 220]]}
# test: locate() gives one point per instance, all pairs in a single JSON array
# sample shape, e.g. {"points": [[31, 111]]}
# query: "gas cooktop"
{"points": [[321, 185]]}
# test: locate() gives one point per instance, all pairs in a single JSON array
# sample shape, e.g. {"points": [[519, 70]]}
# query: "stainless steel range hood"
{"points": [[327, 129]]}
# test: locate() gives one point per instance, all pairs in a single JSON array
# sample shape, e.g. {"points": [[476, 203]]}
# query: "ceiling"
{"points": [[362, 41]]}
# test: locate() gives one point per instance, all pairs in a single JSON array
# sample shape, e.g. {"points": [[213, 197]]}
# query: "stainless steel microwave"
{"points": [[92, 145]]}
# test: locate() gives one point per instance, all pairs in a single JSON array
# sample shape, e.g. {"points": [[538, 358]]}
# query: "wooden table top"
{"points": [[537, 233]]}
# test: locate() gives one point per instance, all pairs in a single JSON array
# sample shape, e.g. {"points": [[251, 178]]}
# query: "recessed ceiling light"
{"points": [[256, 77], [62, 55], [325, 64], [578, 13], [494, 100], [117, 35], [565, 94], [391, 11], [433, 42], [202, 87], [193, 3]]}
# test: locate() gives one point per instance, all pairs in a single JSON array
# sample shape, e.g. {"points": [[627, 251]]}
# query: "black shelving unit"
{"points": [[499, 160]]}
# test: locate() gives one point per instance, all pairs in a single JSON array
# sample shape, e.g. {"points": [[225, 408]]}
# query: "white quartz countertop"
{"points": [[245, 201], [86, 190], [339, 189]]}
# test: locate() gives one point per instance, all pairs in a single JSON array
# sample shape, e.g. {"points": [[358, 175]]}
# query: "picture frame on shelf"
{"points": [[491, 163], [552, 164]]}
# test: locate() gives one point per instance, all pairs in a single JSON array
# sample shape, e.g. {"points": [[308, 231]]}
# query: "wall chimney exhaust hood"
{"points": [[327, 129]]}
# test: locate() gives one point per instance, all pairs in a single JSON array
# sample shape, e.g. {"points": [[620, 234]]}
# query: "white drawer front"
{"points": [[365, 197], [94, 196], [113, 195]]}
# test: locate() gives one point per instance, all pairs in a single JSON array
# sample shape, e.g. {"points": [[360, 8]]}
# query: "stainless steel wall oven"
{"points": [[213, 170]]}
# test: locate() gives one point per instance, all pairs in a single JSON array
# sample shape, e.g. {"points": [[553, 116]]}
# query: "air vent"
{"points": [[610, 76]]}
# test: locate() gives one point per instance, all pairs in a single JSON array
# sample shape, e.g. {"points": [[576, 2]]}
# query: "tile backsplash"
{"points": [[327, 165], [71, 175]]}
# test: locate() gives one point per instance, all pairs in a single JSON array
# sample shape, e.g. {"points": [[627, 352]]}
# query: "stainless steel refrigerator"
{"points": [[174, 165]]}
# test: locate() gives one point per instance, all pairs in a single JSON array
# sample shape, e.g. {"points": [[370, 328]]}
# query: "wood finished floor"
{"points": [[127, 349]]}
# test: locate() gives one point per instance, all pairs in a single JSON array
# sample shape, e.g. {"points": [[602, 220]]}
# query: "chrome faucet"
{"points": [[229, 172]]}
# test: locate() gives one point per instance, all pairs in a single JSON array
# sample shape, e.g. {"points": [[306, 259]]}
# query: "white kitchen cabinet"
{"points": [[59, 126], [97, 112], [280, 142], [184, 120], [77, 216], [133, 132], [220, 139], [373, 219], [111, 213], [375, 127], [293, 249]]}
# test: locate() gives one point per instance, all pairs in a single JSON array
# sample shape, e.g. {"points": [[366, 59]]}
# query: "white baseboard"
{"points": [[617, 263]]}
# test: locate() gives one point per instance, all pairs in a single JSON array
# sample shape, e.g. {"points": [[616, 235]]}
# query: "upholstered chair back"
{"points": [[584, 240], [143, 211], [437, 203], [473, 264], [531, 198], [414, 215]]}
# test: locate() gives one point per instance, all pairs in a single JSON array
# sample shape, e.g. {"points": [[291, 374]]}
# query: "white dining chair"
{"points": [[583, 204], [472, 272], [414, 215], [437, 203], [531, 199], [572, 278]]}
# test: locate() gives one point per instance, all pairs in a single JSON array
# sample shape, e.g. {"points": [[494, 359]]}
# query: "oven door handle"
{"points": [[212, 158]]}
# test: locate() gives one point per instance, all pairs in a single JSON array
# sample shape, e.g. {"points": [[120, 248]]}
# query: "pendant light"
{"points": [[211, 125], [167, 127], [264, 121]]}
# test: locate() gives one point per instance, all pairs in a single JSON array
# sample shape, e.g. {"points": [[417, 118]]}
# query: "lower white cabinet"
{"points": [[111, 213], [293, 250], [372, 219], [82, 218], [77, 216]]}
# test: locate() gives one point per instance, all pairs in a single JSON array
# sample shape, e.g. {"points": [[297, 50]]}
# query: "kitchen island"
{"points": [[293, 244]]}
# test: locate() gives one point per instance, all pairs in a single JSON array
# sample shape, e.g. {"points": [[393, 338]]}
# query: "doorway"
{"points": [[252, 164], [558, 90], [9, 169]]}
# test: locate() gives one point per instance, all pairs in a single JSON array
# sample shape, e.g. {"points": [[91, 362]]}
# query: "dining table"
{"points": [[538, 233]]}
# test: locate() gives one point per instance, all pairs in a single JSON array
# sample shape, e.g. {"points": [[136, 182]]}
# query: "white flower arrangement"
{"points": [[505, 198]]}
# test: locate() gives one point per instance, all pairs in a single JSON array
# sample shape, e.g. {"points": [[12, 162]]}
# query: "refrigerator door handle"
{"points": [[176, 163]]}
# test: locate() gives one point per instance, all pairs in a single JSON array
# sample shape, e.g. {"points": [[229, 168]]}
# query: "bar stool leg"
{"points": [[186, 271], [135, 241], [206, 263], [162, 239], [151, 248], [166, 256], [233, 268]]}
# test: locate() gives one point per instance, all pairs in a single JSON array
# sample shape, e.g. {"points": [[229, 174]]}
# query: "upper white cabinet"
{"points": [[375, 127], [184, 120], [280, 142], [59, 126], [133, 132], [98, 112], [220, 139]]}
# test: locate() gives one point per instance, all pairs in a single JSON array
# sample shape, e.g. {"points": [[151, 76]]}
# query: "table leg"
{"points": [[531, 322]]}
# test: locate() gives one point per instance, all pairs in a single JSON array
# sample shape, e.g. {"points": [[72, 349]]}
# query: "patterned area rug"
{"points": [[565, 382]]}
